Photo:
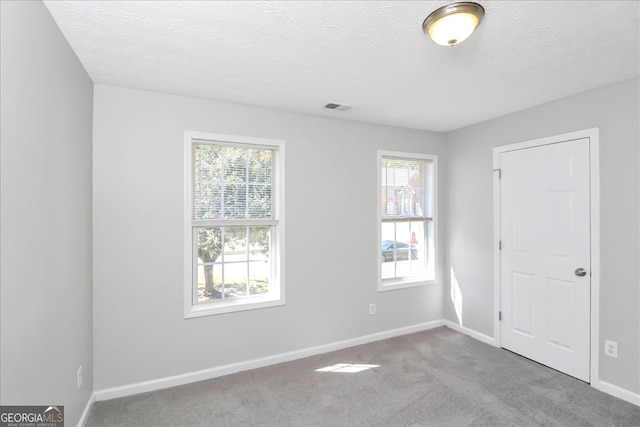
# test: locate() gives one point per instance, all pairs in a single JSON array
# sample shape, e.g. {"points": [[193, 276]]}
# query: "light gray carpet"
{"points": [[433, 378]]}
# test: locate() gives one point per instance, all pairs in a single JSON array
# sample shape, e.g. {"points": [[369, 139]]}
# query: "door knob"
{"points": [[580, 272]]}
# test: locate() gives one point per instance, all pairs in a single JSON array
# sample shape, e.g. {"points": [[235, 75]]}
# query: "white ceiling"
{"points": [[300, 55]]}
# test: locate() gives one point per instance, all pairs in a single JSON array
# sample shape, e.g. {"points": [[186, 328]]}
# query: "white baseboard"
{"points": [[206, 374], [603, 386], [473, 334], [87, 409], [616, 391]]}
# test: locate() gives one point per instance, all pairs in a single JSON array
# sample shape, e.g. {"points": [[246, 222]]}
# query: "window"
{"points": [[406, 219], [233, 223]]}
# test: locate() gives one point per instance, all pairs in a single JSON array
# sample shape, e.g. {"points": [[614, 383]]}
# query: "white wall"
{"points": [[332, 252], [46, 131], [615, 110]]}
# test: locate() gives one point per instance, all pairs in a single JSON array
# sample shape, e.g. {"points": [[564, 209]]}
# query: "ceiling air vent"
{"points": [[336, 106]]}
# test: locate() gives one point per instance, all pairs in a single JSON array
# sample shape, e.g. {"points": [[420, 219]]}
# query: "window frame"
{"points": [[415, 281], [193, 309]]}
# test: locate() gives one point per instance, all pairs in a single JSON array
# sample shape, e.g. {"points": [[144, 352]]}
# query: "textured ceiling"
{"points": [[300, 55]]}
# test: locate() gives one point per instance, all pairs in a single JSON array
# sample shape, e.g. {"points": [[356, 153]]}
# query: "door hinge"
{"points": [[499, 315], [499, 245], [499, 173]]}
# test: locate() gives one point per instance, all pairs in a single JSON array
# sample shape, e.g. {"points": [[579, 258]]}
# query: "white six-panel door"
{"points": [[545, 238]]}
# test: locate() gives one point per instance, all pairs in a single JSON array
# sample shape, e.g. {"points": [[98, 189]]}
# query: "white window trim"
{"points": [[407, 282], [192, 310]]}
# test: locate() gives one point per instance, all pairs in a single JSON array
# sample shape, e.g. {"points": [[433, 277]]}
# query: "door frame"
{"points": [[594, 192]]}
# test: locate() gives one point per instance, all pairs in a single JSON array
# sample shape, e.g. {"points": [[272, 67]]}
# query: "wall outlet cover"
{"points": [[611, 348]]}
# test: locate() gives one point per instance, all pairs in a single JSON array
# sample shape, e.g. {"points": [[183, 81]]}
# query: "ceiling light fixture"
{"points": [[452, 24]]}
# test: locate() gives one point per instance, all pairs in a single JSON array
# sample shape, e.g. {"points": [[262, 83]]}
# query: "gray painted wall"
{"points": [[140, 334], [46, 314], [469, 229], [332, 252]]}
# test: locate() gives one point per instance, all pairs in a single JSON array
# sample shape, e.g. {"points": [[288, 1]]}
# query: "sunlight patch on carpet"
{"points": [[347, 367]]}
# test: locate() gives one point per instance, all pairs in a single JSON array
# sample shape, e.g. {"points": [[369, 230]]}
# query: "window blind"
{"points": [[407, 188], [231, 182]]}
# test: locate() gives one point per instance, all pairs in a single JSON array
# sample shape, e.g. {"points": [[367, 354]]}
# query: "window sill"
{"points": [[230, 306], [412, 282]]}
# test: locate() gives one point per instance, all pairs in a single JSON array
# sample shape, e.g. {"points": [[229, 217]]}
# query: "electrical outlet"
{"points": [[611, 348], [79, 377], [372, 309]]}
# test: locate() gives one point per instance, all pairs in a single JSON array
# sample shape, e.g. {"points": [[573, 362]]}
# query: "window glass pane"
{"points": [[260, 201], [235, 278], [232, 182], [235, 259], [259, 262], [235, 164], [204, 281], [260, 166], [208, 248], [429, 191], [259, 242], [207, 160], [207, 176], [430, 250], [235, 201], [404, 191], [235, 244], [228, 267], [404, 249], [207, 200], [403, 233], [259, 274], [409, 263], [388, 237], [418, 241]]}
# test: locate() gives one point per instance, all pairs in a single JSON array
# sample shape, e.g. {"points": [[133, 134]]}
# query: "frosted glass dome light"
{"points": [[452, 24]]}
